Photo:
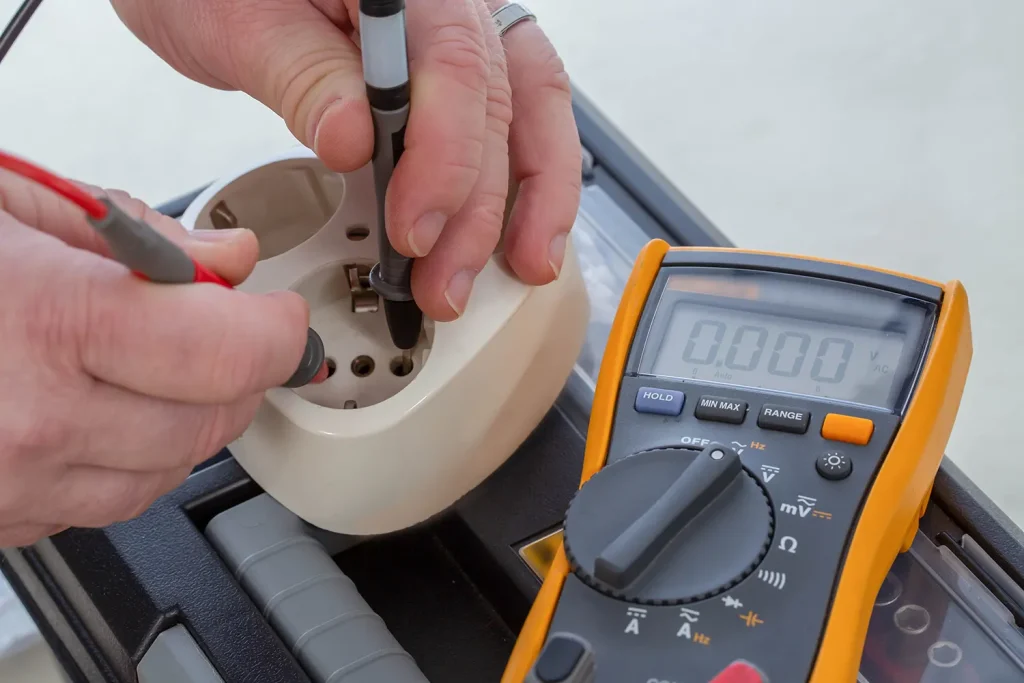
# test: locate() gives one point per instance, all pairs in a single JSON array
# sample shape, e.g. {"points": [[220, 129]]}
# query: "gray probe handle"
{"points": [[142, 249], [386, 73], [391, 277]]}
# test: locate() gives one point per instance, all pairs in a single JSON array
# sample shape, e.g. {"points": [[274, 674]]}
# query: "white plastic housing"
{"points": [[416, 443]]}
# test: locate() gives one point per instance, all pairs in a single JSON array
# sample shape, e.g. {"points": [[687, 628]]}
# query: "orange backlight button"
{"points": [[848, 429]]}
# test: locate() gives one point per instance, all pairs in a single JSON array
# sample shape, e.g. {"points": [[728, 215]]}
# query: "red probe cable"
{"points": [[140, 244], [91, 205]]}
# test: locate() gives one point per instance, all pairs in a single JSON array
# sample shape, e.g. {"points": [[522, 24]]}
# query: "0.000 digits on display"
{"points": [[789, 351]]}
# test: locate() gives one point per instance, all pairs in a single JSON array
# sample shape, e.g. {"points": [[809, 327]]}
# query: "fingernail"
{"points": [[225, 235], [459, 287], [556, 253], [425, 232], [319, 123]]}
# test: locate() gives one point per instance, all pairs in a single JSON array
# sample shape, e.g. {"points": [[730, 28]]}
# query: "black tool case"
{"points": [[453, 592]]}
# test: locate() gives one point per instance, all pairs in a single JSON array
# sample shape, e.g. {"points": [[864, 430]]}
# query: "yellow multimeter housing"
{"points": [[831, 389]]}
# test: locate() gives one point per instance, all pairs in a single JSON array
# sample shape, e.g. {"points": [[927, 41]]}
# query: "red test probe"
{"points": [[151, 256]]}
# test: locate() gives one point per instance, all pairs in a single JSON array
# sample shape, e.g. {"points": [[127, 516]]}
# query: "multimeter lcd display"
{"points": [[786, 333], [780, 354]]}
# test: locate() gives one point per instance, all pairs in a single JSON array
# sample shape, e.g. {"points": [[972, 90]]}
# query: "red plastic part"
{"points": [[321, 375], [740, 672], [91, 205], [203, 274]]}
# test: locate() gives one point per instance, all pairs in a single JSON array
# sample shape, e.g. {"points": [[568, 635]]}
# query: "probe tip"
{"points": [[405, 320]]}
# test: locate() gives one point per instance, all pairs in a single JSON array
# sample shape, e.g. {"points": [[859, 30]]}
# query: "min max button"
{"points": [[659, 401], [720, 409], [783, 418]]}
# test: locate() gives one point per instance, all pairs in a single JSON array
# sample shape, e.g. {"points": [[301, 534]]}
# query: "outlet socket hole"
{"points": [[401, 366], [362, 366], [332, 367], [357, 233]]}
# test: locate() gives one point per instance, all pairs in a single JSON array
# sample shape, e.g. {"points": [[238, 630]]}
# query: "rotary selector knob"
{"points": [[669, 526]]}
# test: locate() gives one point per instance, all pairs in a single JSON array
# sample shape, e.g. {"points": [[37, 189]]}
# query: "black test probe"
{"points": [[386, 72]]}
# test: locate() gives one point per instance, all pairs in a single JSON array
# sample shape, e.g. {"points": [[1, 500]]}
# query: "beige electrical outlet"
{"points": [[387, 441]]}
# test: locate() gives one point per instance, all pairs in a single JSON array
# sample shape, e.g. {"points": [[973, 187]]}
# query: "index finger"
{"points": [[231, 254], [444, 138], [202, 343]]}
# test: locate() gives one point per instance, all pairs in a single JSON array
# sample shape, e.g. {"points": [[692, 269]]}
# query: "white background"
{"points": [[873, 131]]}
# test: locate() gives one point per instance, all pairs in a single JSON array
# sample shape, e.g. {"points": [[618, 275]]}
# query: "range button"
{"points": [[783, 418], [721, 409]]}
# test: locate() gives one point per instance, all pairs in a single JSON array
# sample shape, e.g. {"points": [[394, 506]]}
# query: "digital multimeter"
{"points": [[765, 433]]}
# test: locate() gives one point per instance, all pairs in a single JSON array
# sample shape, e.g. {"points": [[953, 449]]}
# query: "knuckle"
{"points": [[145, 496], [214, 433], [19, 197], [548, 72], [115, 507], [574, 182], [499, 102], [32, 432], [231, 370], [487, 218], [462, 164], [51, 326], [11, 495], [460, 49], [131, 496], [301, 86], [91, 321], [22, 535]]}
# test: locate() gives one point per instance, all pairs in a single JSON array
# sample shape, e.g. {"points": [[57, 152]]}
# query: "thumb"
{"points": [[298, 61], [310, 73]]}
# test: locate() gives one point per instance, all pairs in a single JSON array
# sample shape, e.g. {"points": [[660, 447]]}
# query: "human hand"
{"points": [[476, 106], [112, 388]]}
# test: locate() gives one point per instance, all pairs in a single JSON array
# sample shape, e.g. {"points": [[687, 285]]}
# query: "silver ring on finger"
{"points": [[507, 16]]}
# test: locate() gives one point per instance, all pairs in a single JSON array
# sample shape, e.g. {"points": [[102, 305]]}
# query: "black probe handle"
{"points": [[311, 364], [386, 73]]}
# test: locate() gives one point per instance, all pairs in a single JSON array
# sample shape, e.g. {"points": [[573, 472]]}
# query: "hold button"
{"points": [[659, 401]]}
